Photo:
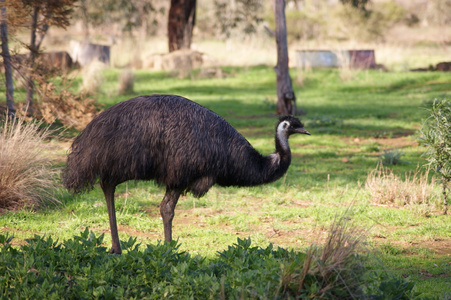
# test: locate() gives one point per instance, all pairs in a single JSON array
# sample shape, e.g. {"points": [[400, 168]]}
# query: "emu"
{"points": [[176, 142]]}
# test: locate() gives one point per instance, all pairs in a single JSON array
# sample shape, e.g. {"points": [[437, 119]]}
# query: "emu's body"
{"points": [[176, 142]]}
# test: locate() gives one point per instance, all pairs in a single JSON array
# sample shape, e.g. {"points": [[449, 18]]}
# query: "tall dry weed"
{"points": [[93, 77], [345, 69], [126, 82], [388, 188], [27, 175], [302, 73], [336, 265]]}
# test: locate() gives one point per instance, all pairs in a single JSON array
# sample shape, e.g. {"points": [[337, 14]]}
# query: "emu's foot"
{"points": [[115, 251]]}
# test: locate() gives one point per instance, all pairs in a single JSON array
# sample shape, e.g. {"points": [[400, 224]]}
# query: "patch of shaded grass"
{"points": [[430, 274]]}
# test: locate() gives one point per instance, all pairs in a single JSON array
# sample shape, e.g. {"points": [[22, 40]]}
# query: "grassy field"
{"points": [[352, 123]]}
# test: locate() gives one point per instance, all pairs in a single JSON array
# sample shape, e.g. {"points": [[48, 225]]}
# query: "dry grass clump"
{"points": [[337, 266], [93, 77], [346, 71], [27, 177], [302, 73], [388, 188], [126, 82]]}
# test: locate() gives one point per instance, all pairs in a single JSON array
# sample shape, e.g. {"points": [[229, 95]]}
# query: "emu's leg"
{"points": [[108, 191], [167, 207]]}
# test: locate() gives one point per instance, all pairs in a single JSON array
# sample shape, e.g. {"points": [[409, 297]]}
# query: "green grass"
{"points": [[352, 123]]}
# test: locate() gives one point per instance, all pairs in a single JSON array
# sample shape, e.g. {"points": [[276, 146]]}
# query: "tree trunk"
{"points": [[286, 100], [7, 62], [35, 44], [181, 20], [84, 19], [33, 53]]}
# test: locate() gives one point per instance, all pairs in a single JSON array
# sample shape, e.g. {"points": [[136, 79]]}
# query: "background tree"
{"points": [[436, 137], [43, 14], [286, 100], [13, 17], [7, 60], [181, 21], [361, 4], [124, 15], [244, 15]]}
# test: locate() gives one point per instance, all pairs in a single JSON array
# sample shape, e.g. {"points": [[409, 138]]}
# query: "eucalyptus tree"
{"points": [[286, 99], [181, 21], [436, 137], [117, 16], [41, 14], [7, 60]]}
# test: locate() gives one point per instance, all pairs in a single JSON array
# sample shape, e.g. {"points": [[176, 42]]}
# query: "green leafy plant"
{"points": [[81, 268], [392, 157], [384, 285], [372, 147], [436, 137]]}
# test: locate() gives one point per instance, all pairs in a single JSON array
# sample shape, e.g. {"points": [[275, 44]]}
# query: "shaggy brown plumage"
{"points": [[176, 142]]}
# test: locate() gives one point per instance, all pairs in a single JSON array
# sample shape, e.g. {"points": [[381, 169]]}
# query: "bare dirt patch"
{"points": [[441, 246], [396, 142]]}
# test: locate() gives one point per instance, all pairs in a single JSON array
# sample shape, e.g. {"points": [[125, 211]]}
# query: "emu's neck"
{"points": [[250, 168], [282, 146], [279, 161]]}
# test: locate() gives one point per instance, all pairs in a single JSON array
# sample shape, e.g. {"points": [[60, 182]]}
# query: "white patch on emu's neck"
{"points": [[275, 159], [282, 134]]}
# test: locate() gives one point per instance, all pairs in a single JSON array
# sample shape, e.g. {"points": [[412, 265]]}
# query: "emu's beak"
{"points": [[303, 131]]}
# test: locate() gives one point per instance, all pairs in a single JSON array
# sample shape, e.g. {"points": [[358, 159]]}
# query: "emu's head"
{"points": [[289, 125]]}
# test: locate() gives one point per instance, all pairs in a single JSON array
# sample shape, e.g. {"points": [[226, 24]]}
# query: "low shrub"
{"points": [[27, 177], [81, 268], [436, 138], [392, 157], [372, 147]]}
